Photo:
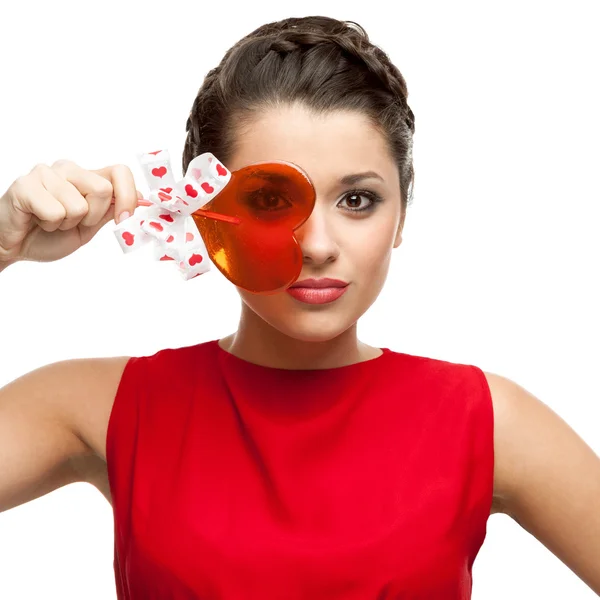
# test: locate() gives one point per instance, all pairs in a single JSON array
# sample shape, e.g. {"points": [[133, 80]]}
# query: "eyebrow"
{"points": [[356, 177], [268, 175]]}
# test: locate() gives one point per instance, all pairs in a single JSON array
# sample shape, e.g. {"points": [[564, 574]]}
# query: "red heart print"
{"points": [[190, 191], [195, 259], [207, 187], [164, 197], [170, 239], [159, 171], [128, 237], [189, 237], [155, 153], [166, 217], [167, 190], [165, 257], [222, 171], [156, 226], [142, 222]]}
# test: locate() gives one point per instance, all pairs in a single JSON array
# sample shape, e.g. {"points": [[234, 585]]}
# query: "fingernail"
{"points": [[124, 215]]}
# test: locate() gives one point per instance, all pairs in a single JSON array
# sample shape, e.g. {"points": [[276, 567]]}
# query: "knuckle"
{"points": [[55, 214], [59, 213], [120, 168], [40, 168], [62, 163], [78, 210], [18, 186], [102, 187]]}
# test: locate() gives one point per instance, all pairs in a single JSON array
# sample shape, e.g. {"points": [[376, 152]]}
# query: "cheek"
{"points": [[369, 255]]}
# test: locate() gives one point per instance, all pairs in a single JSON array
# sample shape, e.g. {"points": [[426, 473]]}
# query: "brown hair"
{"points": [[321, 62]]}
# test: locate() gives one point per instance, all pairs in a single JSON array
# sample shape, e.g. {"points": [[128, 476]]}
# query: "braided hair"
{"points": [[323, 63]]}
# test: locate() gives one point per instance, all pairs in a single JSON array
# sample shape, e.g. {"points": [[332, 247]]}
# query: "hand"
{"points": [[52, 211]]}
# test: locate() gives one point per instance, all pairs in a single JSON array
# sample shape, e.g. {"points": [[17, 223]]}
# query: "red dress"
{"points": [[232, 480]]}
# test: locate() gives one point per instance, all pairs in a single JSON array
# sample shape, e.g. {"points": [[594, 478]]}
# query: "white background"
{"points": [[498, 268]]}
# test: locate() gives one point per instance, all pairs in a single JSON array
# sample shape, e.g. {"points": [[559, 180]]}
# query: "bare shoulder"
{"points": [[85, 390], [53, 423], [517, 413], [546, 477], [519, 419], [75, 394]]}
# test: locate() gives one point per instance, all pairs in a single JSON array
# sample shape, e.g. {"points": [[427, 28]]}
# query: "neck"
{"points": [[258, 342]]}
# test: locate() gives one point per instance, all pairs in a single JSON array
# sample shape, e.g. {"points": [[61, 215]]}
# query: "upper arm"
{"points": [[547, 478], [46, 419]]}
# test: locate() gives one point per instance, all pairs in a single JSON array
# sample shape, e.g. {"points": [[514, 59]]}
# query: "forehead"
{"points": [[324, 145]]}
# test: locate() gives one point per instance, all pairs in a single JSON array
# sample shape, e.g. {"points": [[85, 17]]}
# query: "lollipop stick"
{"points": [[217, 216], [204, 213]]}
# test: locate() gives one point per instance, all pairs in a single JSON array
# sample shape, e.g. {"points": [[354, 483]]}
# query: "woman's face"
{"points": [[339, 240]]}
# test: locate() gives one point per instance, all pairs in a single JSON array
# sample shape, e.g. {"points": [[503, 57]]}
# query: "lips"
{"points": [[324, 282], [312, 295]]}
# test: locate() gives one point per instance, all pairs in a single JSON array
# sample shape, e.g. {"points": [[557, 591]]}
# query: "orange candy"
{"points": [[260, 253]]}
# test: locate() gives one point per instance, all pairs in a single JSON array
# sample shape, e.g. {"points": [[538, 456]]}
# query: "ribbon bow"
{"points": [[166, 219]]}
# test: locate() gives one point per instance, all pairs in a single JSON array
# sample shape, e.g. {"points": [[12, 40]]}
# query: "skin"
{"points": [[278, 330], [546, 477]]}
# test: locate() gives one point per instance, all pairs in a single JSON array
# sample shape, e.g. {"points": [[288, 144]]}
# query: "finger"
{"points": [[95, 189], [31, 197], [124, 190], [75, 205]]}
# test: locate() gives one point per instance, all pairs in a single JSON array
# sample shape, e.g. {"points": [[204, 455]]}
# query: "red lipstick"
{"points": [[317, 291]]}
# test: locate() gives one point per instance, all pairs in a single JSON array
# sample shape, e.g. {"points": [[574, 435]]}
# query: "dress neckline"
{"points": [[371, 362]]}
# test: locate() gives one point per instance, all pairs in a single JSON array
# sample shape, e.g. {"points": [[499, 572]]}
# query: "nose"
{"points": [[315, 239]]}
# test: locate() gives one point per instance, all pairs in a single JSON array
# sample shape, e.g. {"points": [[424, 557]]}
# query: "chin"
{"points": [[315, 323], [309, 327]]}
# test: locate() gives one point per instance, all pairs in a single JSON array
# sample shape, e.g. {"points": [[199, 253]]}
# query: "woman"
{"points": [[291, 460]]}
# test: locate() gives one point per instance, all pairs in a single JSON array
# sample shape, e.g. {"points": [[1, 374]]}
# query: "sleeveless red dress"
{"points": [[232, 480]]}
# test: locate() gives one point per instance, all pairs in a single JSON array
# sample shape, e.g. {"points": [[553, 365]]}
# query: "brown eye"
{"points": [[355, 200]]}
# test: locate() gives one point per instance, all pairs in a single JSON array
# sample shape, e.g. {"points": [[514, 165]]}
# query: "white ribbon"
{"points": [[167, 222]]}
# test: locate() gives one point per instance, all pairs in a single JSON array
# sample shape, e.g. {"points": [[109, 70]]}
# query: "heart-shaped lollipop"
{"points": [[260, 253], [245, 219]]}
